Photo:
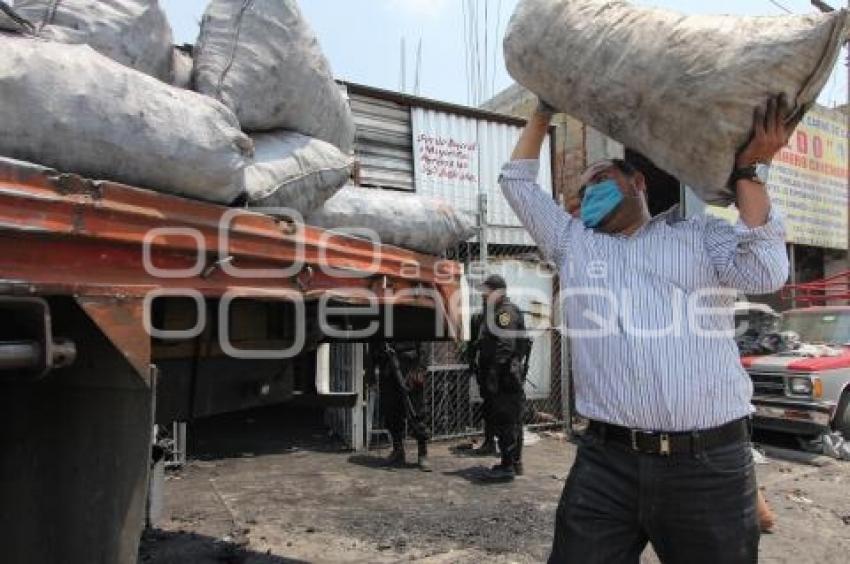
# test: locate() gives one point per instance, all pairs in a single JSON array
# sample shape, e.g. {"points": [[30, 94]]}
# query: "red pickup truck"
{"points": [[804, 389]]}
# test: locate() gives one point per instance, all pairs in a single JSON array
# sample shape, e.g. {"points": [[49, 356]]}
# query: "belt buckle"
{"points": [[664, 440]]}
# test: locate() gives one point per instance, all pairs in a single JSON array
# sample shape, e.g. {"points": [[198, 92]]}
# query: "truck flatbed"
{"points": [[82, 263]]}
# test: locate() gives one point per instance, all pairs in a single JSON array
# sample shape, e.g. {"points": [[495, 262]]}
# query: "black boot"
{"points": [[396, 457], [422, 459], [504, 472]]}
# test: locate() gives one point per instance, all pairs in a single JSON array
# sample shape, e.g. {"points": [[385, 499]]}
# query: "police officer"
{"points": [[499, 360], [402, 367]]}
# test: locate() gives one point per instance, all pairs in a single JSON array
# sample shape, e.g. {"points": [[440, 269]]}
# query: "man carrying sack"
{"points": [[666, 458]]}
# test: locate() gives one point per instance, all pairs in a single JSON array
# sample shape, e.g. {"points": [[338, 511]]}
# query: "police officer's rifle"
{"points": [[395, 368]]}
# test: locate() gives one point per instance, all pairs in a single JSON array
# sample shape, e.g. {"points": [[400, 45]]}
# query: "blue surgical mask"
{"points": [[600, 201]]}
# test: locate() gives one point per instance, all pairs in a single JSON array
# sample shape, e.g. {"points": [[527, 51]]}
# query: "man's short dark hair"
{"points": [[625, 167]]}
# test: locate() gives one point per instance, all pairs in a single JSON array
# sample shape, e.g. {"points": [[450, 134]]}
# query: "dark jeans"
{"points": [[693, 508]]}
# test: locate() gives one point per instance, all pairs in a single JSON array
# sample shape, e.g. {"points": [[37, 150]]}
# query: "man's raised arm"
{"points": [[751, 257], [539, 213]]}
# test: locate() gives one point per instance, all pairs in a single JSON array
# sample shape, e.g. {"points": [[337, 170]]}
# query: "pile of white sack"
{"points": [[250, 113]]}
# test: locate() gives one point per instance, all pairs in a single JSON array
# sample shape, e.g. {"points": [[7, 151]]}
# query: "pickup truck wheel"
{"points": [[841, 422]]}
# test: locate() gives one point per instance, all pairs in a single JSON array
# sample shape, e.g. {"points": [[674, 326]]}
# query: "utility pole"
{"points": [[418, 68], [403, 77], [826, 8]]}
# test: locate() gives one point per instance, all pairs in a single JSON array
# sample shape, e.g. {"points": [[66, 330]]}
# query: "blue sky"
{"points": [[362, 38]]}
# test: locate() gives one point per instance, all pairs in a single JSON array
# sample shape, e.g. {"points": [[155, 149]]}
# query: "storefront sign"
{"points": [[808, 181]]}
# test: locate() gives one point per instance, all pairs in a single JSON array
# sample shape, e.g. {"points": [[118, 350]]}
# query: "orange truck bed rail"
{"points": [[61, 234]]}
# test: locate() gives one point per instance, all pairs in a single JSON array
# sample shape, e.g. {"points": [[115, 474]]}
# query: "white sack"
{"points": [[404, 220], [294, 171], [70, 108], [181, 75], [262, 59], [135, 33], [681, 90]]}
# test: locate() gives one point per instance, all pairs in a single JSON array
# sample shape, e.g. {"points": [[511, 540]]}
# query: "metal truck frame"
{"points": [[81, 275]]}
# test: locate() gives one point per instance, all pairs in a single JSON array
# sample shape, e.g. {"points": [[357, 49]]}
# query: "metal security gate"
{"points": [[349, 424]]}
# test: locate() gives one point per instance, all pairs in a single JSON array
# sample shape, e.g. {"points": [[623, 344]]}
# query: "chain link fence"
{"points": [[453, 404]]}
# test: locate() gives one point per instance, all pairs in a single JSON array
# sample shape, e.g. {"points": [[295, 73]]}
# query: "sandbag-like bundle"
{"points": [[135, 33], [181, 75], [75, 110], [294, 171], [404, 220], [681, 90], [262, 59]]}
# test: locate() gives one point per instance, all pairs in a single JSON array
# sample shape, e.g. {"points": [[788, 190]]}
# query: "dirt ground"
{"points": [[257, 493]]}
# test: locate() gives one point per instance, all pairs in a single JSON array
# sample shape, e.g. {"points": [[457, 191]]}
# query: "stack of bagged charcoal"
{"points": [[251, 115]]}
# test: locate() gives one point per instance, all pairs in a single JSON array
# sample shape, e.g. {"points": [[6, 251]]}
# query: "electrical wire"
{"points": [[496, 46], [466, 51], [486, 49], [476, 58], [780, 6], [470, 22]]}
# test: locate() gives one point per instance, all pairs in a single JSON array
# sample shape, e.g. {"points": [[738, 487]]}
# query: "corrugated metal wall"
{"points": [[383, 143], [390, 156], [450, 136], [434, 133], [497, 143]]}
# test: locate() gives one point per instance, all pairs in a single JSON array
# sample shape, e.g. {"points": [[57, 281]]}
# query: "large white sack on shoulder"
{"points": [[681, 90], [135, 33], [294, 171], [75, 110], [262, 59], [405, 220]]}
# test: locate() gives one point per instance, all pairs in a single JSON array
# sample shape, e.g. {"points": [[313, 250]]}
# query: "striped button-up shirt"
{"points": [[650, 317]]}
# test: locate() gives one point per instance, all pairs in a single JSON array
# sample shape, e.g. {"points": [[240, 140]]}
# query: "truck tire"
{"points": [[841, 421]]}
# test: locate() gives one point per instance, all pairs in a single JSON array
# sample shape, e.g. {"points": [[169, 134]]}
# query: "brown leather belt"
{"points": [[665, 444]]}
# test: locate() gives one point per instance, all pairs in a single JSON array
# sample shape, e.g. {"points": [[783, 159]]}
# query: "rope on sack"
{"points": [[15, 17], [246, 4], [49, 14]]}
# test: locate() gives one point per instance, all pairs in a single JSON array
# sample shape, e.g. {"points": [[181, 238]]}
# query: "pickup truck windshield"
{"points": [[819, 327]]}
